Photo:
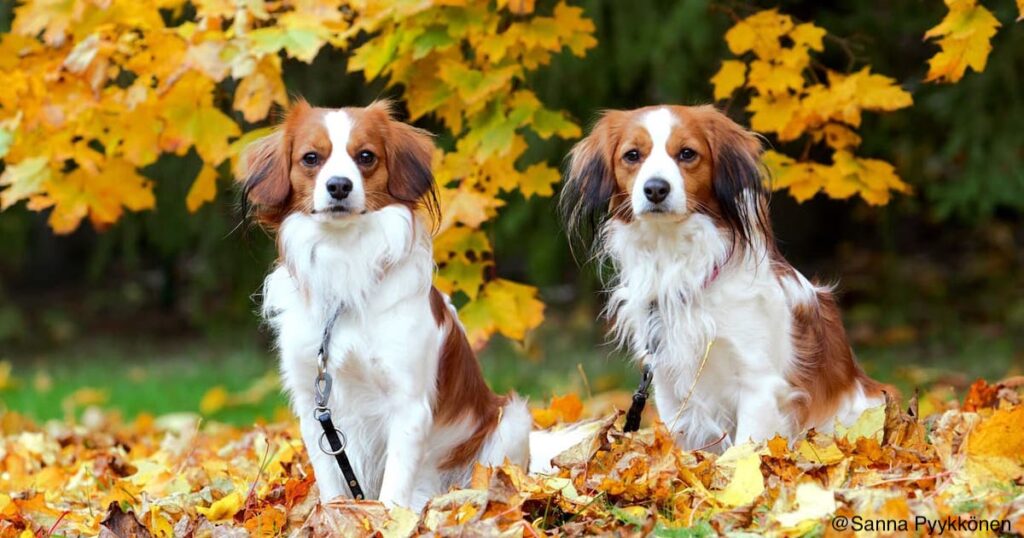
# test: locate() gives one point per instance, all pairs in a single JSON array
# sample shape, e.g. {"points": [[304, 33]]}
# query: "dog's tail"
{"points": [[546, 445]]}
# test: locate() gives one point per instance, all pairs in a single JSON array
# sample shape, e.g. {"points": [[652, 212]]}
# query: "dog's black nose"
{"points": [[656, 190], [339, 187]]}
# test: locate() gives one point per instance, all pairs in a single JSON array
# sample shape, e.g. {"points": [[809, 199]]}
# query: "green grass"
{"points": [[149, 378], [173, 377]]}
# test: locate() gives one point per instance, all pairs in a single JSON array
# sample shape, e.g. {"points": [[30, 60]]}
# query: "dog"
{"points": [[740, 344], [346, 190]]}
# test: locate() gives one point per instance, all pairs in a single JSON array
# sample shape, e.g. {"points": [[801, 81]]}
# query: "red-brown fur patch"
{"points": [[825, 368], [462, 393]]}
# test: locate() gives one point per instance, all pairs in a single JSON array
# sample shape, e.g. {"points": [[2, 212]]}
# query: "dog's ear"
{"points": [[409, 155], [590, 185], [409, 152], [263, 171], [739, 178]]}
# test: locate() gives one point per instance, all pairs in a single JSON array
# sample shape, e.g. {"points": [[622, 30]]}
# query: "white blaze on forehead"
{"points": [[659, 124], [339, 163], [339, 128]]}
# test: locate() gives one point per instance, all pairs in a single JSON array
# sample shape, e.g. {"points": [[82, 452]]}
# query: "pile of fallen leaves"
{"points": [[170, 476]]}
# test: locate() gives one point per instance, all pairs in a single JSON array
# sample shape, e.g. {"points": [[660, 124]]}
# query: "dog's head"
{"points": [[667, 163], [337, 164]]}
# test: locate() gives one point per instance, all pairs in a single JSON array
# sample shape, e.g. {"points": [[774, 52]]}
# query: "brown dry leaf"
{"points": [[122, 524]]}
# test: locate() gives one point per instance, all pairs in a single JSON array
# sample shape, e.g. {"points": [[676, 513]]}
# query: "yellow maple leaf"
{"points": [[873, 179], [773, 113], [878, 92], [191, 119], [567, 408], [213, 400], [808, 35], [801, 178], [839, 136], [760, 33], [539, 180], [729, 77], [224, 508], [820, 451], [746, 483], [52, 19], [812, 504], [204, 188], [503, 306], [964, 39], [869, 425], [23, 179], [468, 207], [259, 90], [770, 78], [101, 194]]}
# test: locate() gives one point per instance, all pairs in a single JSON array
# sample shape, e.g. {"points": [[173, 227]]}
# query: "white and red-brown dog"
{"points": [[741, 345], [345, 191]]}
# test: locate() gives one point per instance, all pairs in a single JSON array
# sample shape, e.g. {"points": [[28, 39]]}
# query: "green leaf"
{"points": [[375, 55], [551, 122], [436, 37]]}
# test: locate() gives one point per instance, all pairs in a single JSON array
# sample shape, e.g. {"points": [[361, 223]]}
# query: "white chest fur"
{"points": [[383, 348], [676, 292]]}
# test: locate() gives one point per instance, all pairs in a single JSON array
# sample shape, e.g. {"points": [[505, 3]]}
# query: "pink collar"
{"points": [[717, 270]]}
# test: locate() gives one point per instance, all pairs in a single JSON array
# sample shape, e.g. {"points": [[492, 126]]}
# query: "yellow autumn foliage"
{"points": [[964, 37], [91, 92], [787, 98]]}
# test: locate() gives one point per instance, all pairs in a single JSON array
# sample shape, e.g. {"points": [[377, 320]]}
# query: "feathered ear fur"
{"points": [[739, 179], [409, 154], [589, 187], [264, 171]]}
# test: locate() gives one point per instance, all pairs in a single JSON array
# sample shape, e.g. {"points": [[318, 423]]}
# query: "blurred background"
{"points": [[157, 313]]}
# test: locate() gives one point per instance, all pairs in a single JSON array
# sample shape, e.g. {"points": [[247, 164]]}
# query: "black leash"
{"points": [[639, 400], [335, 438]]}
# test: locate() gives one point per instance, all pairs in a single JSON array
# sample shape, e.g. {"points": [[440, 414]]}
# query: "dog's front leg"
{"points": [[759, 416], [406, 439]]}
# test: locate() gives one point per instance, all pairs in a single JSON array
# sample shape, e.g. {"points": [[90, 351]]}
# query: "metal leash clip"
{"points": [[322, 391]]}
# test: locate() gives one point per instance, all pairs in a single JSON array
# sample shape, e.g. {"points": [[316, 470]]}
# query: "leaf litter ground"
{"points": [[961, 467]]}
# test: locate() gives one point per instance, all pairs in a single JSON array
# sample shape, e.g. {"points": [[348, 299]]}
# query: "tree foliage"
{"points": [[92, 92], [964, 37], [793, 98]]}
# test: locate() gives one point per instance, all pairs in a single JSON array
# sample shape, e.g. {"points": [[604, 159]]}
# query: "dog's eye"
{"points": [[687, 155], [632, 156], [311, 159], [366, 158]]}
